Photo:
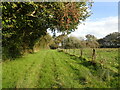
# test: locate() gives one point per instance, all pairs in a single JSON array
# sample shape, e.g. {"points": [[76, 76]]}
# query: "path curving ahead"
{"points": [[48, 69]]}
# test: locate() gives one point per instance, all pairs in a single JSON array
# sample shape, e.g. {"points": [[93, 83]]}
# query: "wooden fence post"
{"points": [[81, 52], [93, 55]]}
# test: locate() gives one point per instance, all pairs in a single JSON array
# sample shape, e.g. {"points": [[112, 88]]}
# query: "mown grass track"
{"points": [[48, 69]]}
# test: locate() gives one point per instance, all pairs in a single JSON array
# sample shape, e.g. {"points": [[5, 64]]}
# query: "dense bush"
{"points": [[24, 23]]}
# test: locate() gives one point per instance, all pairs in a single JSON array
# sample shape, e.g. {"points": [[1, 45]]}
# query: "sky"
{"points": [[102, 22]]}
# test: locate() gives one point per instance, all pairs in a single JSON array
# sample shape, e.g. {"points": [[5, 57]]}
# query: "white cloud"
{"points": [[100, 28]]}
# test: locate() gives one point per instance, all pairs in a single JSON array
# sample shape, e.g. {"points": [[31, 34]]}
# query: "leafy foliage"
{"points": [[71, 42], [74, 42], [112, 40], [91, 41], [25, 22]]}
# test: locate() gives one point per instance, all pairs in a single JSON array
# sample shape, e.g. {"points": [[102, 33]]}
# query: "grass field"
{"points": [[53, 69], [106, 56]]}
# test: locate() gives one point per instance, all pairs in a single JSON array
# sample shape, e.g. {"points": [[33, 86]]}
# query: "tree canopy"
{"points": [[112, 40], [25, 22], [91, 41]]}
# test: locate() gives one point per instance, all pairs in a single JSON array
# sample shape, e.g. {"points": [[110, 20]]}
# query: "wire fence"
{"points": [[108, 58]]}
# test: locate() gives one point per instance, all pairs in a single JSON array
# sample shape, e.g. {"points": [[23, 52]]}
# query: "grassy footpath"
{"points": [[49, 69]]}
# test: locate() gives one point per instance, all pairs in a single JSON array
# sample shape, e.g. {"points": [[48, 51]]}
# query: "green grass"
{"points": [[106, 63], [106, 56], [50, 69]]}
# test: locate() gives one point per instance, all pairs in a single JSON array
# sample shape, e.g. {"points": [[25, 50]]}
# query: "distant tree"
{"points": [[58, 39], [91, 41], [112, 40], [92, 44], [71, 42], [90, 37]]}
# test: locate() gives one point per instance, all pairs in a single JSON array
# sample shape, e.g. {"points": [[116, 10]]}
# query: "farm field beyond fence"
{"points": [[63, 69]]}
